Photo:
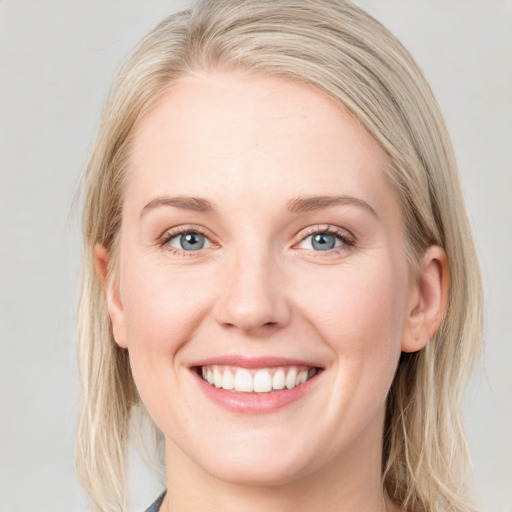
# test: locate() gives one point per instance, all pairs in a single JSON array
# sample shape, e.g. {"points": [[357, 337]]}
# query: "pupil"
{"points": [[323, 242], [192, 241]]}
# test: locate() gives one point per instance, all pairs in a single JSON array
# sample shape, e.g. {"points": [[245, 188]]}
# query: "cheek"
{"points": [[162, 309], [352, 301], [163, 305], [359, 313]]}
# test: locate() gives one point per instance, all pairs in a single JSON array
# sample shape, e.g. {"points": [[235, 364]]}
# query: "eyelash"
{"points": [[347, 239], [182, 230]]}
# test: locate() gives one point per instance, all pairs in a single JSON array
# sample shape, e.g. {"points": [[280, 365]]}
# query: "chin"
{"points": [[269, 473], [259, 462]]}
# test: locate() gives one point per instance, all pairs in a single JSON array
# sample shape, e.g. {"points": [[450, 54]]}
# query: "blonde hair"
{"points": [[337, 48]]}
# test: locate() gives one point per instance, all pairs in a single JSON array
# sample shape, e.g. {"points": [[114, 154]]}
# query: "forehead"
{"points": [[231, 135]]}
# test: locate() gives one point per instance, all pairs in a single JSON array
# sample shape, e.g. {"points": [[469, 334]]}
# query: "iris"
{"points": [[192, 241], [323, 242]]}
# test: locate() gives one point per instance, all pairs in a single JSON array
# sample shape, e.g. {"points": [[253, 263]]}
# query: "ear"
{"points": [[114, 304], [428, 300]]}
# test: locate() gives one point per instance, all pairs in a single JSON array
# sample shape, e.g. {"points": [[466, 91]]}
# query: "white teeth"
{"points": [[291, 378], [279, 380], [302, 377], [228, 381], [243, 381], [262, 382], [217, 378], [258, 381]]}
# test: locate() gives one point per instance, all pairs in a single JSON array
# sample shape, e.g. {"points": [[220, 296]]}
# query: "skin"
{"points": [[249, 145]]}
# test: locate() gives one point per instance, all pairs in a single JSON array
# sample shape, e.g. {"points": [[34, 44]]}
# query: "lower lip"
{"points": [[255, 403]]}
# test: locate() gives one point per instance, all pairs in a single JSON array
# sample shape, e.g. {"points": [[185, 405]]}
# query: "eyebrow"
{"points": [[195, 204], [295, 205], [306, 204]]}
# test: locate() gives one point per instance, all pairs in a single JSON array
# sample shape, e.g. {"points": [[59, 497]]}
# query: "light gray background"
{"points": [[57, 59]]}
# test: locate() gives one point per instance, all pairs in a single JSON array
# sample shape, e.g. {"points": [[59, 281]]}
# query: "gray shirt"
{"points": [[156, 504]]}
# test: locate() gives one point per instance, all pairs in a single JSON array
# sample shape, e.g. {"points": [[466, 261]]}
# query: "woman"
{"points": [[278, 267]]}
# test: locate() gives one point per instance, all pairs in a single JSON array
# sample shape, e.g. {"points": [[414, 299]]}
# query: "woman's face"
{"points": [[261, 247]]}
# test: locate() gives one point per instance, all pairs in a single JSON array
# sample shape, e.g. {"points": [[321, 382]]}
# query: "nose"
{"points": [[252, 298]]}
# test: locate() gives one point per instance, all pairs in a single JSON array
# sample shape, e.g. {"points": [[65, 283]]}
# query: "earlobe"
{"points": [[428, 301], [110, 288]]}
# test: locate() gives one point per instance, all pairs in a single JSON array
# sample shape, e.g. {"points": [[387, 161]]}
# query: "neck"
{"points": [[352, 486]]}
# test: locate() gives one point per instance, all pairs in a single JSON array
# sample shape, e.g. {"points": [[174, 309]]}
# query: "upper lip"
{"points": [[252, 362]]}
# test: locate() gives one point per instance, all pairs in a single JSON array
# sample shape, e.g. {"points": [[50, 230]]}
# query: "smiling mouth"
{"points": [[256, 380]]}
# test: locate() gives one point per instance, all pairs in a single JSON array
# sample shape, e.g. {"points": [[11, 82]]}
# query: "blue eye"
{"points": [[323, 241], [190, 241]]}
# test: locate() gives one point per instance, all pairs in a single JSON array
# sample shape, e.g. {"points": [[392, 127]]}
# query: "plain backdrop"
{"points": [[57, 59]]}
